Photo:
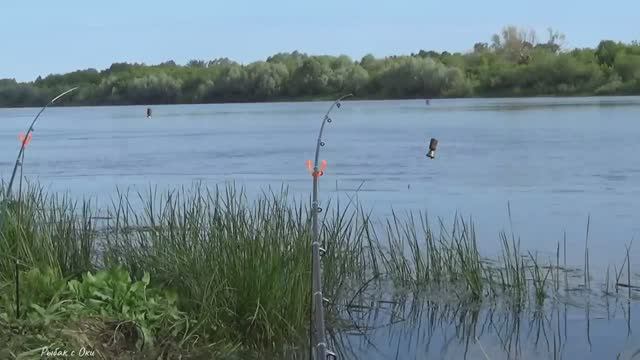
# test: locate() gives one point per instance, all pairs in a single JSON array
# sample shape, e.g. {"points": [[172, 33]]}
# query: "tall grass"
{"points": [[45, 231], [512, 273], [242, 268], [419, 260]]}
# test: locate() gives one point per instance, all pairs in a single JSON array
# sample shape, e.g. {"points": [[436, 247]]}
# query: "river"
{"points": [[555, 161]]}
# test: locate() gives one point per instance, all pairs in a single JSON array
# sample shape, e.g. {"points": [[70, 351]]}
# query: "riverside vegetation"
{"points": [[206, 273], [514, 63]]}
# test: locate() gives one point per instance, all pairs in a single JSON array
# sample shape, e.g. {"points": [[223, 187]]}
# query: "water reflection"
{"points": [[589, 327]]}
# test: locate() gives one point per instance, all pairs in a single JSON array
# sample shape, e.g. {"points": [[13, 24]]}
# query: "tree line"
{"points": [[513, 63]]}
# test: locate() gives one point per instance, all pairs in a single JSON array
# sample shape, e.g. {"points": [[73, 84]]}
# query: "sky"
{"points": [[45, 36]]}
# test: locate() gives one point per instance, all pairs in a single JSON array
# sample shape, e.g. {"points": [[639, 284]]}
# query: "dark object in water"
{"points": [[427, 101], [148, 112], [432, 148]]}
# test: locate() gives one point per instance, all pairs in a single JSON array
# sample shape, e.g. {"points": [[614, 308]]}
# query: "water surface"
{"points": [[556, 161]]}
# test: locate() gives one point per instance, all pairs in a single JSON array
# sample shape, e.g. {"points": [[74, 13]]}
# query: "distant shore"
{"points": [[324, 99], [512, 65]]}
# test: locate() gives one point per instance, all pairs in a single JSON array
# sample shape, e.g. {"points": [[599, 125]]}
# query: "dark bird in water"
{"points": [[148, 112], [427, 101]]}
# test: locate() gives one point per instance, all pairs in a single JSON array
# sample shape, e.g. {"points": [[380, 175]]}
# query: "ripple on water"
{"points": [[566, 191]]}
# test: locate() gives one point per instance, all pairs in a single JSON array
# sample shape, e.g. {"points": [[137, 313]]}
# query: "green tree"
{"points": [[311, 78], [356, 80], [607, 51], [627, 66], [513, 64], [267, 79]]}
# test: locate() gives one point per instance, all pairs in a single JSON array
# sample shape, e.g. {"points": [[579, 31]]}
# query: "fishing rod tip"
{"points": [[63, 94]]}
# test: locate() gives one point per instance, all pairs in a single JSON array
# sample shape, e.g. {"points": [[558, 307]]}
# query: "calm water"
{"points": [[556, 161], [607, 330]]}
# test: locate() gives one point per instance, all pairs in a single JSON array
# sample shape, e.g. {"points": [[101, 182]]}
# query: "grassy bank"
{"points": [[209, 273]]}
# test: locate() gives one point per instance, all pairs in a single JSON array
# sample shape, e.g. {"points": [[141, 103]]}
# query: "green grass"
{"points": [[43, 230], [240, 268]]}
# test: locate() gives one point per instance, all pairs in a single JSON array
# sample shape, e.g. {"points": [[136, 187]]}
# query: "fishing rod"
{"points": [[25, 140], [318, 337]]}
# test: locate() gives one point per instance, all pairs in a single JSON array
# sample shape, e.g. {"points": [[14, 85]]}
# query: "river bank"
{"points": [[512, 65], [207, 270]]}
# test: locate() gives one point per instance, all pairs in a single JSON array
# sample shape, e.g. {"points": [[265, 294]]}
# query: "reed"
{"points": [[241, 266], [539, 279], [45, 231]]}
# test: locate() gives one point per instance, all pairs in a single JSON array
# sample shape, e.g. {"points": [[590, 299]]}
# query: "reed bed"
{"points": [[42, 230], [241, 267]]}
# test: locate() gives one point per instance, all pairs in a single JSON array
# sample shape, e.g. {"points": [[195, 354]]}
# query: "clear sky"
{"points": [[48, 36]]}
